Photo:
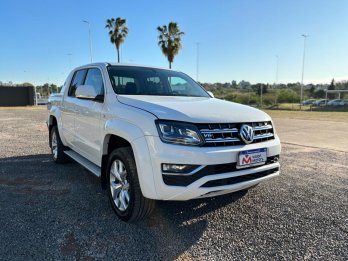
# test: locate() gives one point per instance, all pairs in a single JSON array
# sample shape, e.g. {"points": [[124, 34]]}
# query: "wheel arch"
{"points": [[52, 121], [119, 134], [111, 142]]}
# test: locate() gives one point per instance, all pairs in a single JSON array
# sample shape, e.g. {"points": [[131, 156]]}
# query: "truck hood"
{"points": [[194, 109]]}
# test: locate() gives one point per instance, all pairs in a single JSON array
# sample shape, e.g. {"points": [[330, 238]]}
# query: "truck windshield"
{"points": [[129, 80]]}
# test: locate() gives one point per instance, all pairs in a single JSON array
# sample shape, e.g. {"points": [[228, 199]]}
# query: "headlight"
{"points": [[179, 133]]}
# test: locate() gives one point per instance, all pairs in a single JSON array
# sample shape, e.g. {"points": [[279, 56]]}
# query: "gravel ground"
{"points": [[51, 211]]}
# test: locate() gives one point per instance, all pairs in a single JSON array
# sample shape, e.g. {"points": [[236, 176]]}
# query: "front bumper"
{"points": [[207, 185]]}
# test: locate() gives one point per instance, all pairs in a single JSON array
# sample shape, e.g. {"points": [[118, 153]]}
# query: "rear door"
{"points": [[68, 109], [88, 141]]}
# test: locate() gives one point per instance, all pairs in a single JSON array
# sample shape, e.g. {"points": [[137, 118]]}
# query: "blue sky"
{"points": [[239, 40]]}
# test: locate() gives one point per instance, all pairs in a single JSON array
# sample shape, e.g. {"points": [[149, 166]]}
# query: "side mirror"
{"points": [[87, 92], [211, 94]]}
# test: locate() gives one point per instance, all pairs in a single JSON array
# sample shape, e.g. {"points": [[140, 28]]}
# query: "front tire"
{"points": [[124, 190], [57, 147]]}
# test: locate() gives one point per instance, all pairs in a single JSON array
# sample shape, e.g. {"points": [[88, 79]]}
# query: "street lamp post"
{"points": [[303, 64], [277, 67], [90, 39]]}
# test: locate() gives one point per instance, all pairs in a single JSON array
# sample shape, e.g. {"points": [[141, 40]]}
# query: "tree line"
{"points": [[244, 92], [239, 92]]}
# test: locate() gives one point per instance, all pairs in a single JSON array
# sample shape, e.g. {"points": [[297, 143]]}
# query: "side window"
{"points": [[78, 79], [95, 79]]}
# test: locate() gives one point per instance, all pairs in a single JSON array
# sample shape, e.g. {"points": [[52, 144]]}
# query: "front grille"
{"points": [[185, 180], [239, 179], [227, 134]]}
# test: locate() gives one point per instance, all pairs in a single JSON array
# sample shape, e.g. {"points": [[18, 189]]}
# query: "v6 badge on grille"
{"points": [[250, 158]]}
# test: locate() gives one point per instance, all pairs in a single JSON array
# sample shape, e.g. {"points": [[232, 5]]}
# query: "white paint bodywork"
{"points": [[85, 126], [195, 109]]}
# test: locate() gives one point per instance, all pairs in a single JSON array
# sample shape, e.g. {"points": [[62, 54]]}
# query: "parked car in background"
{"points": [[344, 102], [321, 102], [40, 100], [309, 102], [335, 102]]}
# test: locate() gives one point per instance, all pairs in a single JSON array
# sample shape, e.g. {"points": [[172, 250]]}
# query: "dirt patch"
{"points": [[71, 247], [41, 127], [18, 181], [311, 133]]}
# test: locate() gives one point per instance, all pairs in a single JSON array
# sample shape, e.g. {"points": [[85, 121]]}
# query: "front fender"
{"points": [[135, 136], [121, 128]]}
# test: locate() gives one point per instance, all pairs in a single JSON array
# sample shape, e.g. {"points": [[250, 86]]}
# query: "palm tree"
{"points": [[118, 32], [169, 40]]}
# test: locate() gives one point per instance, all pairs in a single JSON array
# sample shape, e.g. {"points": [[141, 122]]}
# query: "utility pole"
{"points": [[261, 93], [90, 39], [277, 67], [303, 64], [197, 62], [276, 79]]}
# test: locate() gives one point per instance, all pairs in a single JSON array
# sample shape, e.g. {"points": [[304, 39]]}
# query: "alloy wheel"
{"points": [[119, 185], [54, 145]]}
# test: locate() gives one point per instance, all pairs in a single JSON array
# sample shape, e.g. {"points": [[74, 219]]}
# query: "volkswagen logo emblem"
{"points": [[246, 132]]}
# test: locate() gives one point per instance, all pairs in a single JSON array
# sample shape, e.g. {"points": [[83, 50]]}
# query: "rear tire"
{"points": [[57, 147], [124, 189]]}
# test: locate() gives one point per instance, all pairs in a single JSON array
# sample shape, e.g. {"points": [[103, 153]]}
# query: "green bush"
{"points": [[230, 97], [288, 95], [269, 99], [254, 99], [237, 97]]}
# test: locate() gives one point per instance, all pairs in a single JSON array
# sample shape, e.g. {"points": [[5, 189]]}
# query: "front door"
{"points": [[68, 109], [88, 140]]}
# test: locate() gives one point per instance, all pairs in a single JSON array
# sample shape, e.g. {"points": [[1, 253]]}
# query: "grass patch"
{"points": [[289, 106], [323, 113], [296, 107], [338, 116]]}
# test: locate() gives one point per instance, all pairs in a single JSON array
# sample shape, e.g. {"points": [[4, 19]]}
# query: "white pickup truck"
{"points": [[155, 134]]}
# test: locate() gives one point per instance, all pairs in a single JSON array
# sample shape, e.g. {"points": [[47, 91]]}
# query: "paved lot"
{"points": [[53, 211]]}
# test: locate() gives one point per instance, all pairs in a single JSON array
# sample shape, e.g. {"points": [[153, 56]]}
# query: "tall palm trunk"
{"points": [[118, 55]]}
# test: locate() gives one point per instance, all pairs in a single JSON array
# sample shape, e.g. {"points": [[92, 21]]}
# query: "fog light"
{"points": [[178, 168]]}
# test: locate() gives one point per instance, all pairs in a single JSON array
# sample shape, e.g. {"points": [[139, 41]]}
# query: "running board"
{"points": [[84, 162]]}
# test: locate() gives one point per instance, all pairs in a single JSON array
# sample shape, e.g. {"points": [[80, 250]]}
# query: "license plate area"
{"points": [[251, 158]]}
